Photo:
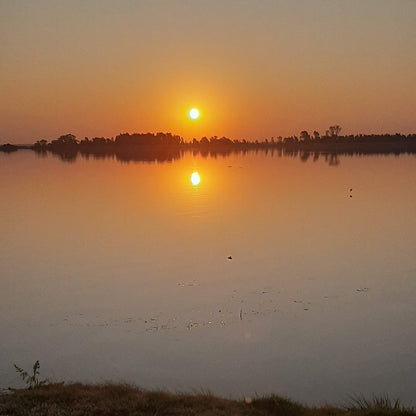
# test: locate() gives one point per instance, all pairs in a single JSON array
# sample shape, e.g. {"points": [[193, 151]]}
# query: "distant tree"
{"points": [[334, 130], [224, 140], [66, 139], [213, 139], [316, 135], [304, 135], [41, 143], [98, 140]]}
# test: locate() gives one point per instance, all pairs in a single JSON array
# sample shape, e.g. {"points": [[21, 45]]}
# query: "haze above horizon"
{"points": [[253, 69]]}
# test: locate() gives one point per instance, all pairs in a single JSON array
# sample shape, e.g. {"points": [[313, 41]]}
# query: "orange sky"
{"points": [[255, 69]]}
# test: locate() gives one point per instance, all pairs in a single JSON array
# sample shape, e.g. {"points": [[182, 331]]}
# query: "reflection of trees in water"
{"points": [[67, 155], [148, 154], [135, 154], [332, 159], [165, 147], [171, 153]]}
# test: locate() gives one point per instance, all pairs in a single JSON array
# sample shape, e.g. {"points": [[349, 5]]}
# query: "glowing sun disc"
{"points": [[194, 114], [195, 178]]}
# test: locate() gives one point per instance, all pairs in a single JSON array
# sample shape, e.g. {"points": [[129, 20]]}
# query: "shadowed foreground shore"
{"points": [[120, 399]]}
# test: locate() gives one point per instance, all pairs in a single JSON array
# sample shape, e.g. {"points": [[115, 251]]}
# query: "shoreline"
{"points": [[171, 152], [124, 399]]}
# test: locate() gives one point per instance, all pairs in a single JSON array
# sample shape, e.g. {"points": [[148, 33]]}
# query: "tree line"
{"points": [[331, 139], [332, 135]]}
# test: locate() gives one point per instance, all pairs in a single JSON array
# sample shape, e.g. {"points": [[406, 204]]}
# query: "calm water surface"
{"points": [[119, 271]]}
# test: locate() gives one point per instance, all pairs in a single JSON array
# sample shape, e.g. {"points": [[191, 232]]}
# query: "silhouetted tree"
{"points": [[304, 135], [65, 140], [41, 144], [334, 130]]}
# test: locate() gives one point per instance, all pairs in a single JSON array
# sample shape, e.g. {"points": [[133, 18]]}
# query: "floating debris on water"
{"points": [[258, 303], [194, 283]]}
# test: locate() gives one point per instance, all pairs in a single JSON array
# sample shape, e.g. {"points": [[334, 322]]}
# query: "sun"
{"points": [[194, 114], [195, 179]]}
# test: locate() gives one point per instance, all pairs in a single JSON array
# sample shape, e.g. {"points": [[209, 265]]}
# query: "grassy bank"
{"points": [[110, 399]]}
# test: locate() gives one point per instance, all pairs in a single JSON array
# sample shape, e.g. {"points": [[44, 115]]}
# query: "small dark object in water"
{"points": [[350, 189], [229, 258], [350, 196]]}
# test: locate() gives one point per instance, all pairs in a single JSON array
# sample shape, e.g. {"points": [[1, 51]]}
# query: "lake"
{"points": [[120, 271]]}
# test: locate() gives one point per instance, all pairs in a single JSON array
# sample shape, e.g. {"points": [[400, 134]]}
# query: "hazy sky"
{"points": [[255, 69]]}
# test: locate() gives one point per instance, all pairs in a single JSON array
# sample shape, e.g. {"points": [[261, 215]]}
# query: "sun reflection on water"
{"points": [[195, 179]]}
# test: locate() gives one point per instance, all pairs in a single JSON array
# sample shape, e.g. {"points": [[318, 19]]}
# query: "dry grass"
{"points": [[125, 400]]}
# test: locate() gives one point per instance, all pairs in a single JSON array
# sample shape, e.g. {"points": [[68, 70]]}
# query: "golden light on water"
{"points": [[195, 178]]}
